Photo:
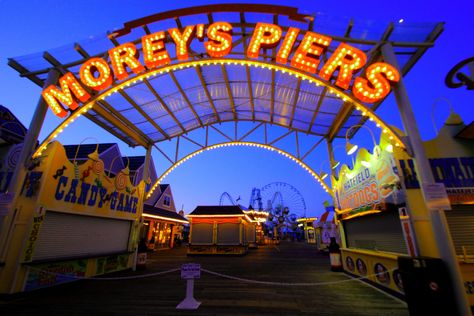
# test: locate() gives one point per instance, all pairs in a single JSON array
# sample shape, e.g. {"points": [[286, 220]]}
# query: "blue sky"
{"points": [[33, 26]]}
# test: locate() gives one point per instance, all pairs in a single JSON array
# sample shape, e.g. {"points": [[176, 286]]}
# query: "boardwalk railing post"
{"points": [[189, 272]]}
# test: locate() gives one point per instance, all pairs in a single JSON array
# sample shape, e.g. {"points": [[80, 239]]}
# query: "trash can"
{"points": [[335, 255], [142, 255], [427, 285]]}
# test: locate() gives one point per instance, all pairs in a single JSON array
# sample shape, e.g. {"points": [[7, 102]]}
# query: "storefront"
{"points": [[71, 221], [162, 229], [220, 230], [451, 157], [309, 232], [375, 200], [368, 198]]}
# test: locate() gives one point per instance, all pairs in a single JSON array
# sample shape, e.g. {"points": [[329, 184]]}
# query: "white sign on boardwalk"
{"points": [[190, 271]]}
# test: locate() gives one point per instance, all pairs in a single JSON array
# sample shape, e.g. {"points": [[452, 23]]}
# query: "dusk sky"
{"points": [[34, 26]]}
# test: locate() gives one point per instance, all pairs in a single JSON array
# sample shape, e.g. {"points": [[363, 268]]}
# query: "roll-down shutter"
{"points": [[64, 235], [461, 223], [201, 234], [228, 234], [381, 231]]}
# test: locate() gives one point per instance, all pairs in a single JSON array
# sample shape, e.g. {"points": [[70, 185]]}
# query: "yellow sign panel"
{"points": [[83, 188]]}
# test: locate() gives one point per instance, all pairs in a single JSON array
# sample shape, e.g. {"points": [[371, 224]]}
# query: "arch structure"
{"points": [[291, 144], [166, 75]]}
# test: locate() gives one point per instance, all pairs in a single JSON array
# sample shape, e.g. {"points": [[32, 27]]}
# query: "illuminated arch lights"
{"points": [[98, 75], [250, 144]]}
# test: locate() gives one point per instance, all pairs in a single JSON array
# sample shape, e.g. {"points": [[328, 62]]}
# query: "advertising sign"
{"points": [[370, 186], [49, 274]]}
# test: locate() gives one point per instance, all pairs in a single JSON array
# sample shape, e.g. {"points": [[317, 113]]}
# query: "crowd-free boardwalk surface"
{"points": [[287, 262]]}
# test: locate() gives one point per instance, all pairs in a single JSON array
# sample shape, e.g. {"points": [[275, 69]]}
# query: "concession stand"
{"points": [[379, 204], [78, 222], [220, 230]]}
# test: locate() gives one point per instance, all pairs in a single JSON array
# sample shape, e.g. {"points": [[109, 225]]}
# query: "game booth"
{"points": [[78, 222]]}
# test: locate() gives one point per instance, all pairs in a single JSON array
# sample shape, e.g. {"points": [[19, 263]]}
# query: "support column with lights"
{"points": [[436, 218]]}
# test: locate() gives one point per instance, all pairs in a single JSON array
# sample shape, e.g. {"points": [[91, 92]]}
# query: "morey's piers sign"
{"points": [[98, 74]]}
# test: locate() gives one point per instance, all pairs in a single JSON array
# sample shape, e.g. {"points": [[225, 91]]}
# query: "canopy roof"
{"points": [[175, 102]]}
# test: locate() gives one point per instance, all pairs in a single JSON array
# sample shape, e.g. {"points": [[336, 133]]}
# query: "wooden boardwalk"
{"points": [[288, 263]]}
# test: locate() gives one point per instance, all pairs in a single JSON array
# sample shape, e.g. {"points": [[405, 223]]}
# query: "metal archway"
{"points": [[241, 85]]}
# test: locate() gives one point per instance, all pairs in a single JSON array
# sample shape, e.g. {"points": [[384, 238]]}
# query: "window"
{"points": [[167, 200]]}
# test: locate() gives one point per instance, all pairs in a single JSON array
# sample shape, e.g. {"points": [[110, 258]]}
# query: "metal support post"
{"points": [[436, 218], [29, 145], [145, 176], [333, 173]]}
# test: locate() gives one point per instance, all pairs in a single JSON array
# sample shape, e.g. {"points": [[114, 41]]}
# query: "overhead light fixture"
{"points": [[350, 148], [365, 163], [389, 148], [323, 175], [335, 164]]}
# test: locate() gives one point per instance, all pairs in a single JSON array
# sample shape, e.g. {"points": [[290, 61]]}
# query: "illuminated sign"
{"points": [[96, 74], [370, 187]]}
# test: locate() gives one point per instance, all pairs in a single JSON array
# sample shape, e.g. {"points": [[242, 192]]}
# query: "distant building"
{"points": [[220, 230], [163, 226]]}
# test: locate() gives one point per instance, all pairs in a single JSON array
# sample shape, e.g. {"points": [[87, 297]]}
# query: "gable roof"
{"points": [[166, 215], [134, 162], [156, 197], [85, 150], [217, 210], [11, 129]]}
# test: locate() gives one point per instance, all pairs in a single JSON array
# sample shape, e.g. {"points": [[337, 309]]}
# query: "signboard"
{"points": [[456, 173], [49, 274], [408, 233], [436, 196], [190, 271], [84, 189], [371, 186], [99, 73]]}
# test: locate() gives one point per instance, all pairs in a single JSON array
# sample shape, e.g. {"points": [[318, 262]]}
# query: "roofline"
{"points": [[165, 218]]}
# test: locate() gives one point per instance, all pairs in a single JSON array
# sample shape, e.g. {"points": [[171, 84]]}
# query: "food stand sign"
{"points": [[370, 187]]}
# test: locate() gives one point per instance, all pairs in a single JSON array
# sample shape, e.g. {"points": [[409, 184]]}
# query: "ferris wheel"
{"points": [[283, 197]]}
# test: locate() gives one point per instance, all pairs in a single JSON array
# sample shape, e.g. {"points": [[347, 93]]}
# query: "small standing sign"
{"points": [[189, 272], [436, 196]]}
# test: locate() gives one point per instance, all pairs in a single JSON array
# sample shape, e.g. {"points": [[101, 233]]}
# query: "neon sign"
{"points": [[98, 74]]}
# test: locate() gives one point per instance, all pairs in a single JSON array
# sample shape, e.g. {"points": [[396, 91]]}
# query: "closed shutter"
{"points": [[64, 235], [201, 234], [228, 234], [250, 233], [381, 231], [461, 223]]}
